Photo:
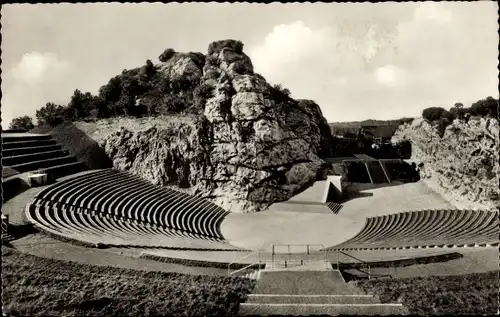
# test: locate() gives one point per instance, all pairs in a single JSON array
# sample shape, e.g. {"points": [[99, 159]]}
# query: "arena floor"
{"points": [[257, 231], [303, 223]]}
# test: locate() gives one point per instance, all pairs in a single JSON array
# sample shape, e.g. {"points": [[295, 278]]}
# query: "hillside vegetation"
{"points": [[33, 286]]}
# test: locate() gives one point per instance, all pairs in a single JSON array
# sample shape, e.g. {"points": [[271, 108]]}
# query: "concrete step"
{"points": [[302, 283], [31, 166], [253, 275], [23, 144], [311, 299], [66, 169], [30, 150], [28, 137], [257, 309], [26, 158]]}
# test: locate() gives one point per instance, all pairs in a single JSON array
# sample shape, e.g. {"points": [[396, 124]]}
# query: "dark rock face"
{"points": [[253, 146]]}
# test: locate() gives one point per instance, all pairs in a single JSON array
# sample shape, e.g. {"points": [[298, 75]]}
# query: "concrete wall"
{"points": [[335, 180]]}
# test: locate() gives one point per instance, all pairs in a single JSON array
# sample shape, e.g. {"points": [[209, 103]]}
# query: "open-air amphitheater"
{"points": [[300, 251]]}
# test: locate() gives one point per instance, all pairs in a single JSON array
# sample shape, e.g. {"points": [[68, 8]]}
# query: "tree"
{"points": [[458, 110], [434, 113], [485, 107], [22, 123], [51, 114]]}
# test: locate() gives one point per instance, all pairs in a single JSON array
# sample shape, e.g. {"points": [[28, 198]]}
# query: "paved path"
{"points": [[47, 247]]}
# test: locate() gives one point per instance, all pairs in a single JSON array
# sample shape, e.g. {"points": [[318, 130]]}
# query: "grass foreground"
{"points": [[34, 286], [468, 294]]}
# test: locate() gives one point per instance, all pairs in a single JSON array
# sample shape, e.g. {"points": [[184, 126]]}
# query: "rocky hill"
{"points": [[463, 164], [247, 145]]}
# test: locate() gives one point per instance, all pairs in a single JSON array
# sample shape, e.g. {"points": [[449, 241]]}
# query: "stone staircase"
{"points": [[334, 207], [254, 275], [25, 153], [313, 288]]}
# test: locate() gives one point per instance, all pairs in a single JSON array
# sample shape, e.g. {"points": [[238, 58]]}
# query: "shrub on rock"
{"points": [[433, 113], [217, 46], [166, 55]]}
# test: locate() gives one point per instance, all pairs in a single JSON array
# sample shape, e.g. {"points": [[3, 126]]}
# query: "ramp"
{"points": [[377, 173], [317, 193], [357, 171]]}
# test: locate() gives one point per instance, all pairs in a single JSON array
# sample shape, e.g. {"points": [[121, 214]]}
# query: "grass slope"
{"points": [[470, 294], [43, 287]]}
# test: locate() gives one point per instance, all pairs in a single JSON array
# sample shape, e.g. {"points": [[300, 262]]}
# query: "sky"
{"points": [[357, 61]]}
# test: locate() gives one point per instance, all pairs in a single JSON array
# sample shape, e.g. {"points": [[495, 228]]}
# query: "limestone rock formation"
{"points": [[463, 163], [254, 145]]}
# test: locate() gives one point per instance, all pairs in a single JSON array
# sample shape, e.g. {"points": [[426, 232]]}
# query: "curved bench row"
{"points": [[427, 228], [94, 227], [116, 193]]}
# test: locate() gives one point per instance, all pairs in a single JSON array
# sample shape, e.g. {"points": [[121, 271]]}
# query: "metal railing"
{"points": [[309, 253], [367, 264], [355, 258], [258, 262]]}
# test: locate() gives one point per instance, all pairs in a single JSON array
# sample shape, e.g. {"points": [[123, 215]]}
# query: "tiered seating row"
{"points": [[93, 227], [427, 228], [120, 194]]}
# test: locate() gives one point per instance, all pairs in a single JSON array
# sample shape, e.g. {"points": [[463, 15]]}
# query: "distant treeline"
{"points": [[375, 128], [441, 117]]}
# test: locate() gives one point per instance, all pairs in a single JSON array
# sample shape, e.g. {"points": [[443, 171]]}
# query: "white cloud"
{"points": [[36, 67], [439, 56], [34, 80], [390, 75], [432, 11], [386, 75], [288, 46]]}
